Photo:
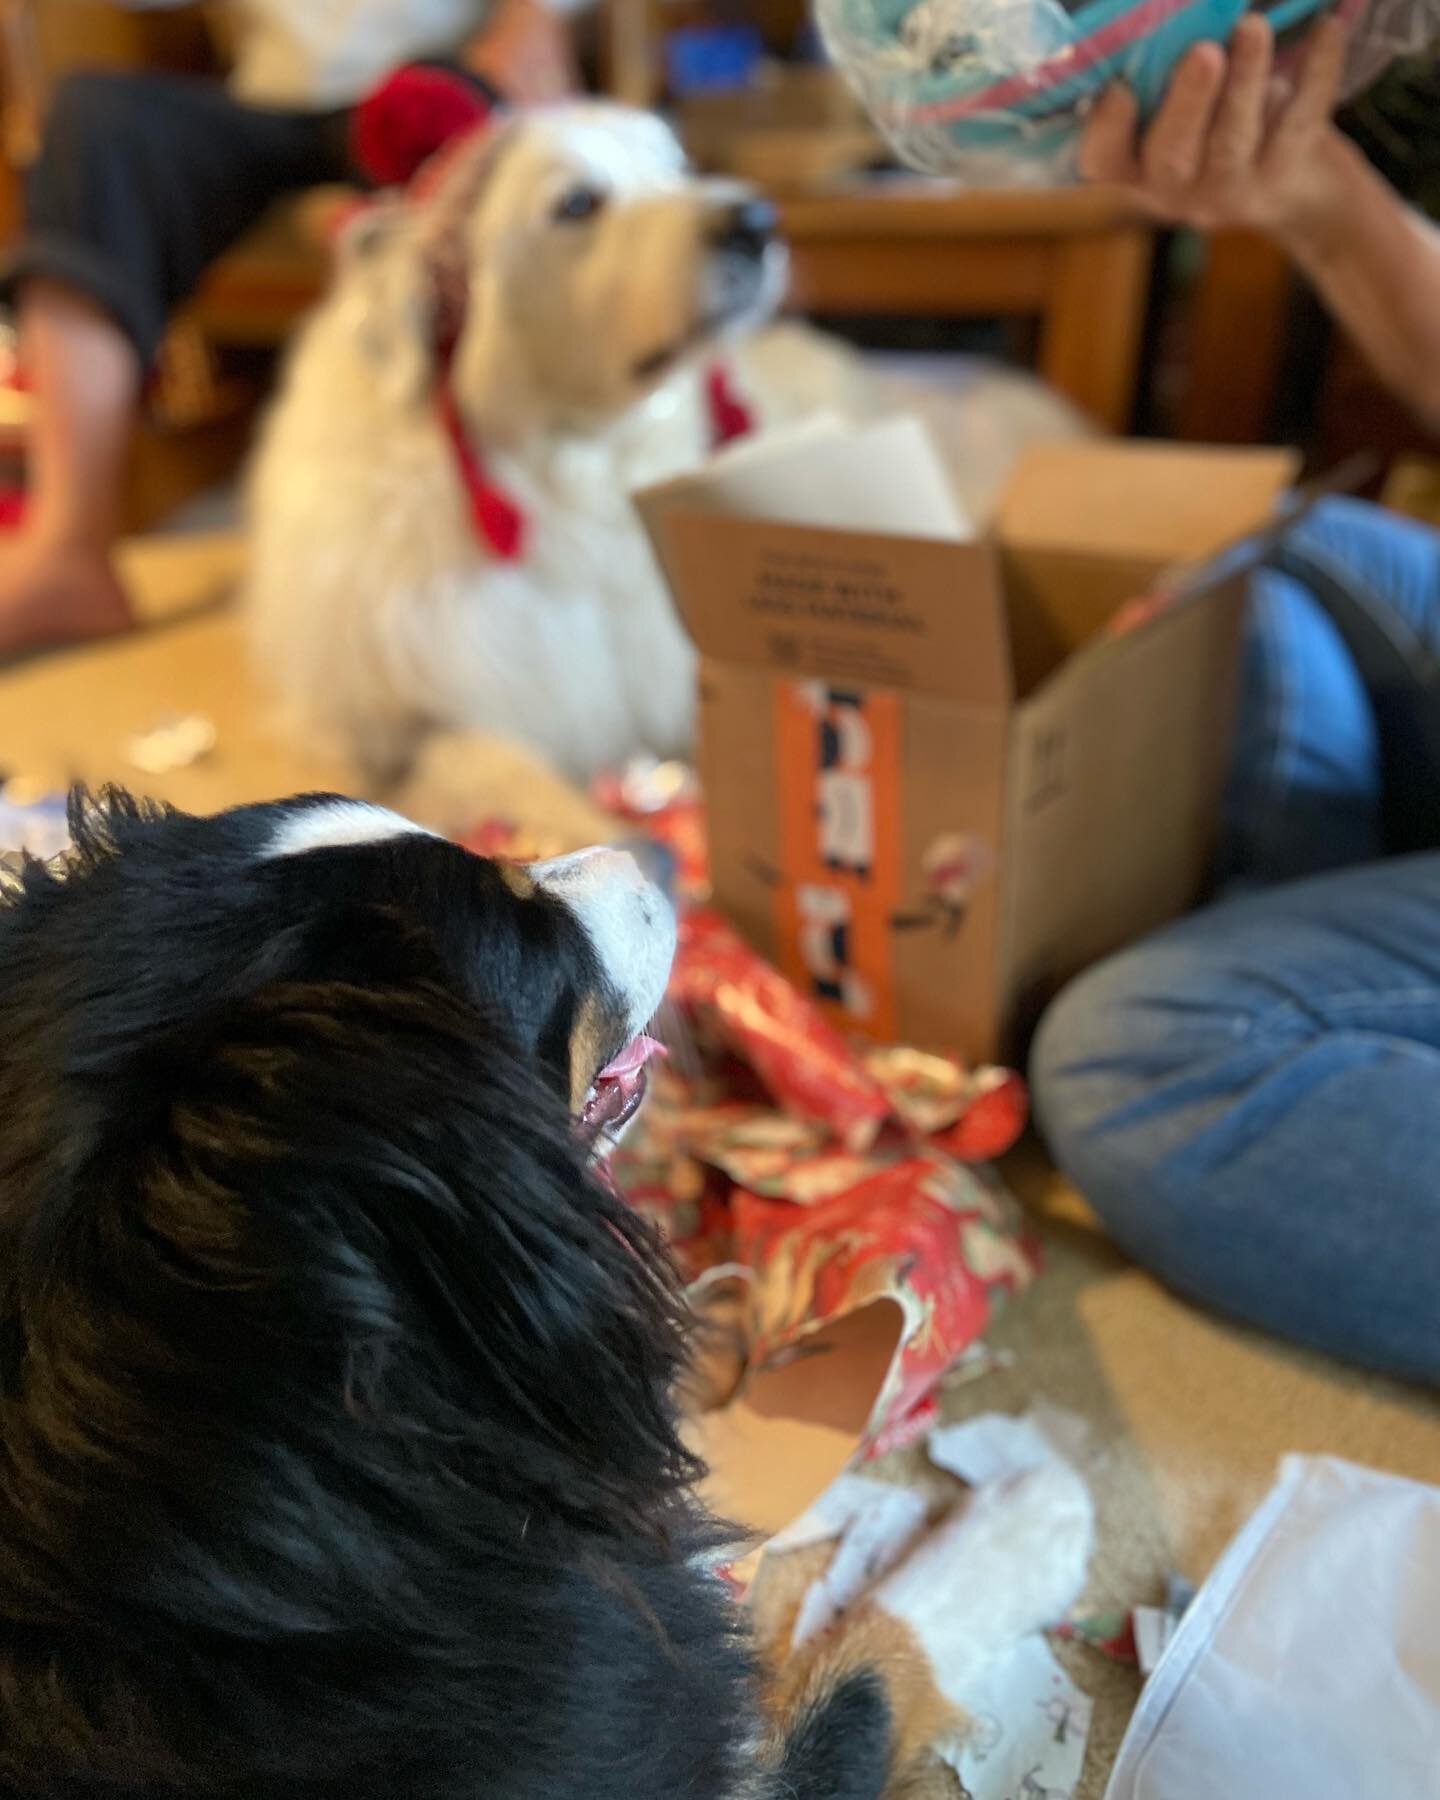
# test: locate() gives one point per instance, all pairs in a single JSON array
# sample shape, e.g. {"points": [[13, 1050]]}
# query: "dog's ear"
{"points": [[489, 377], [492, 376], [390, 301]]}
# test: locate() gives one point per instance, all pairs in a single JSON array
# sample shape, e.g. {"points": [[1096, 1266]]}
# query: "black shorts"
{"points": [[144, 179]]}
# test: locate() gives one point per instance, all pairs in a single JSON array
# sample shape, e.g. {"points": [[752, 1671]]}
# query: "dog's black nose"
{"points": [[747, 229]]}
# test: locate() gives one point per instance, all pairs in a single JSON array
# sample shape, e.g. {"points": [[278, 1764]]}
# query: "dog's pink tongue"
{"points": [[632, 1059], [620, 1085]]}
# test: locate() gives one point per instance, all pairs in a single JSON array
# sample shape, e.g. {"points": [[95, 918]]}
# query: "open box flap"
{"points": [[887, 477], [1187, 583], [1161, 503], [846, 607], [1125, 748]]}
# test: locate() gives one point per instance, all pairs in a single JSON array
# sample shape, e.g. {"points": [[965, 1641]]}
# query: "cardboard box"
{"points": [[938, 782]]}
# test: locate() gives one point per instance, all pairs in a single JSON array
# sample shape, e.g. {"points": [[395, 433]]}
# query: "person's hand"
{"points": [[524, 52], [1231, 144]]}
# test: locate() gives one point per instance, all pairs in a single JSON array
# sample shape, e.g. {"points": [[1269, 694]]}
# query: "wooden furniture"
{"points": [[1263, 359], [630, 51], [1237, 332], [1076, 259]]}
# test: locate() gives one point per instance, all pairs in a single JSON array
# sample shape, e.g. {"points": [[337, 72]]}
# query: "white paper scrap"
{"points": [[1030, 1723], [848, 1497], [875, 1521], [1153, 1628], [995, 1446], [875, 1539], [1030, 1727]]}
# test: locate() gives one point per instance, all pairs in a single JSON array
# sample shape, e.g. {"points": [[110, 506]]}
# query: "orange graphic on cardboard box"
{"points": [[838, 764]]}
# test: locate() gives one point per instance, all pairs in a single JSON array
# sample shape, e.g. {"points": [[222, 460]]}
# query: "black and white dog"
{"points": [[339, 1449]]}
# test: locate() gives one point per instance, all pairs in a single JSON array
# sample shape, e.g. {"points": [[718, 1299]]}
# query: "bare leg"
{"points": [[524, 51], [56, 582]]}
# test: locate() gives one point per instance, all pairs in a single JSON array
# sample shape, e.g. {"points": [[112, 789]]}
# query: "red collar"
{"points": [[497, 520]]}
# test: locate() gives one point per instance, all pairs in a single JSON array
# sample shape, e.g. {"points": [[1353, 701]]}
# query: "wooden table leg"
{"points": [[1237, 340], [630, 52], [1091, 327]]}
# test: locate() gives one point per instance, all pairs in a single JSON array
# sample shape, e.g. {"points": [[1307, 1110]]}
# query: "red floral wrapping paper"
{"points": [[823, 1176]]}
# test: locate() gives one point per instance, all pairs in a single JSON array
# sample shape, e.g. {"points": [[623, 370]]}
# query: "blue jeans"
{"points": [[1251, 1099]]}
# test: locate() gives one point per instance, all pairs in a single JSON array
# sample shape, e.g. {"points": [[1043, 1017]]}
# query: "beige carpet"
{"points": [[1188, 1415]]}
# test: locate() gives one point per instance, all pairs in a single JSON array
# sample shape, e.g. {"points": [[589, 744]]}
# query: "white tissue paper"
{"points": [[1029, 1723], [1309, 1663]]}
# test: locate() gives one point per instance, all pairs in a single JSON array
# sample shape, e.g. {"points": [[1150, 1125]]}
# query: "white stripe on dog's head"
{"points": [[338, 824], [630, 924]]}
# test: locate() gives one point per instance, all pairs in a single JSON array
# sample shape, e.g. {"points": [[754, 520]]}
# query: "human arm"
{"points": [[1228, 149], [523, 51]]}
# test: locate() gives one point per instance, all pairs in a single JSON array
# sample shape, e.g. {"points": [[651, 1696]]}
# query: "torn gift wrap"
{"points": [[923, 1234], [800, 1060], [734, 1000], [814, 1190]]}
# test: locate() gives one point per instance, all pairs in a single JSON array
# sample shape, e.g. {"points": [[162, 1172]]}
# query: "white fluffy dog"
{"points": [[531, 341]]}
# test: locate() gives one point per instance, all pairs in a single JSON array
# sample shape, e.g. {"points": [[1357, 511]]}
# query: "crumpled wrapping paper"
{"points": [[822, 1177], [814, 1175]]}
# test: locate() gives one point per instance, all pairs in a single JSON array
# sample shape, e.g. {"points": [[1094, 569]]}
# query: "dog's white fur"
{"points": [[335, 824], [628, 921], [375, 610]]}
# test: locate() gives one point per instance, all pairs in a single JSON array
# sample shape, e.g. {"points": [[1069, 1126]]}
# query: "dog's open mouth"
{"points": [[619, 1088]]}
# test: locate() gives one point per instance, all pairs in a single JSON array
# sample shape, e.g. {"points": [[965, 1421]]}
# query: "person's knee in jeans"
{"points": [[1131, 1073], [1250, 1102], [1108, 1049], [1304, 793]]}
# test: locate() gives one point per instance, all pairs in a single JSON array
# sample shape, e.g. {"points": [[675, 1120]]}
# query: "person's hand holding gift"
{"points": [[1234, 142]]}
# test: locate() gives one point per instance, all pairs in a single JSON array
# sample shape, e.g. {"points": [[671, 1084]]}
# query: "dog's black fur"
{"points": [[339, 1454]]}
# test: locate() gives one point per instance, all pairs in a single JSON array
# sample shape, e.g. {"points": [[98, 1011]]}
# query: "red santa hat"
{"points": [[414, 112]]}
